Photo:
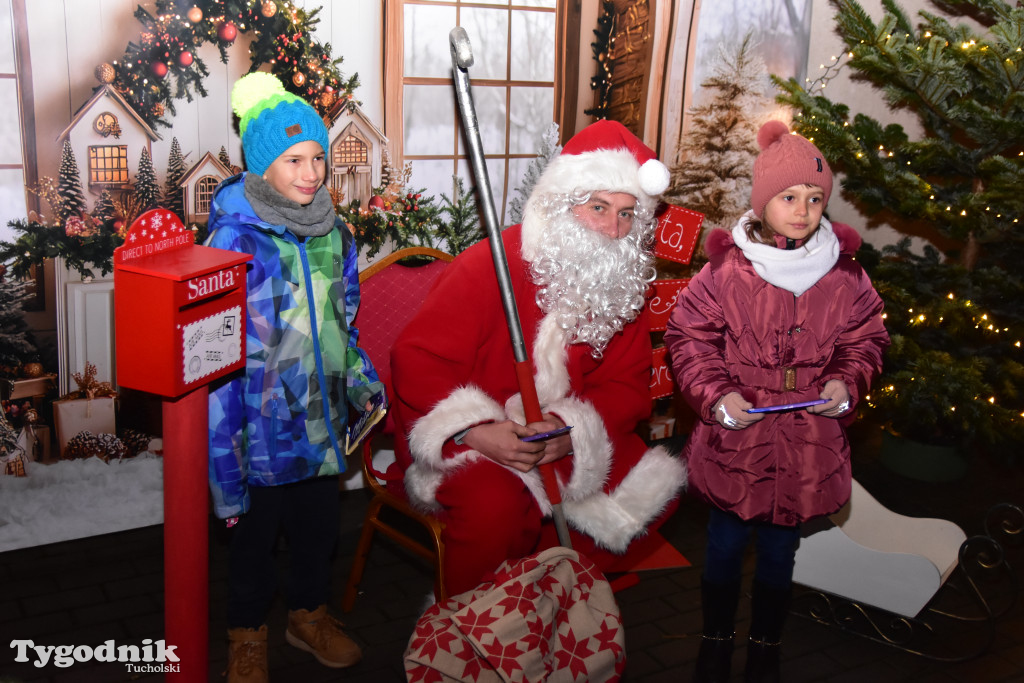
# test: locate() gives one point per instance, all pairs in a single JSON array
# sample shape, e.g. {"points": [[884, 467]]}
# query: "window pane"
{"points": [[429, 119], [433, 176], [10, 123], [12, 200], [533, 35], [488, 36], [7, 44], [426, 41], [537, 3], [489, 103], [532, 111], [496, 178]]}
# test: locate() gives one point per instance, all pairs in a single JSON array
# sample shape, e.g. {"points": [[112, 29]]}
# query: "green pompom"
{"points": [[252, 89]]}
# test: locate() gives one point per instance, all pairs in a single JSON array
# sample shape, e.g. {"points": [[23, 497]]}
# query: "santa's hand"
{"points": [[557, 447], [731, 413], [838, 399], [501, 442]]}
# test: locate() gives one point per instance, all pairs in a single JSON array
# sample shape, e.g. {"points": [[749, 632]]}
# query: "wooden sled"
{"points": [[917, 584]]}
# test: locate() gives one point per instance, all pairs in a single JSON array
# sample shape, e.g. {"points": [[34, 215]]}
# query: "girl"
{"points": [[781, 314], [277, 430]]}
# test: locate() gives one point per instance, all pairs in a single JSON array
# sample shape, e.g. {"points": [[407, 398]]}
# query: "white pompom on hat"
{"points": [[606, 156]]}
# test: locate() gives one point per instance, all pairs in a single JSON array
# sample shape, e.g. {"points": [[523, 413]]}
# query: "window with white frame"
{"points": [[515, 80], [12, 169]]}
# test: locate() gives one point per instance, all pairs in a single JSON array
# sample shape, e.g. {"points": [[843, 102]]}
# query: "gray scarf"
{"points": [[305, 220]]}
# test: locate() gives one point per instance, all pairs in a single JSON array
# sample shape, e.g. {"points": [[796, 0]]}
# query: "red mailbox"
{"points": [[179, 314], [179, 308]]}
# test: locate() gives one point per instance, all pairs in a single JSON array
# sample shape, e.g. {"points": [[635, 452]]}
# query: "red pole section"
{"points": [[186, 533]]}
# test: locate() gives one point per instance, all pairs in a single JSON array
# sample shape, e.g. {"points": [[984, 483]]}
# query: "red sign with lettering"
{"points": [[154, 232], [661, 374], [677, 234], [661, 303]]}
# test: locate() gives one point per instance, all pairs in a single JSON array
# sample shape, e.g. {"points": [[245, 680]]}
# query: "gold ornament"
{"points": [[105, 73], [158, 110], [326, 99], [298, 78], [195, 15], [268, 9]]}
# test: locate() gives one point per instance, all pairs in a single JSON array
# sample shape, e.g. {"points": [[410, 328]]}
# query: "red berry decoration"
{"points": [[159, 69], [185, 59], [227, 31]]}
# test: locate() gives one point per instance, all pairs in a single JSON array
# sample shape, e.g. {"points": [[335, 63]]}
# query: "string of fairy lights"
{"points": [[934, 313], [162, 65]]}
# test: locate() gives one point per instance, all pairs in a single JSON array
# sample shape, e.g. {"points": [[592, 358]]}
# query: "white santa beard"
{"points": [[594, 285]]}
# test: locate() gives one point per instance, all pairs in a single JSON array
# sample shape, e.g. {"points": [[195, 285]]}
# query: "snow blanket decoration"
{"points": [[549, 617], [77, 498]]}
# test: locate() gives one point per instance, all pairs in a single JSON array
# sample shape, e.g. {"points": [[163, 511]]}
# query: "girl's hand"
{"points": [[500, 441], [838, 400], [730, 411]]}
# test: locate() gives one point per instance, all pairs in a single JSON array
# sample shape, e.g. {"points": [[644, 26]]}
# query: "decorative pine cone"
{"points": [[134, 441], [113, 448], [83, 445]]}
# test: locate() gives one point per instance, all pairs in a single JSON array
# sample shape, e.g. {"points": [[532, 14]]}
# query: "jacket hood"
{"points": [[720, 240]]}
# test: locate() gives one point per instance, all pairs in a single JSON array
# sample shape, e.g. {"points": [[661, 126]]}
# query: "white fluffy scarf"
{"points": [[795, 270]]}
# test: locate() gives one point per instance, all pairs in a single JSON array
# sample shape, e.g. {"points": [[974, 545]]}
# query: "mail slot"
{"points": [[179, 308]]}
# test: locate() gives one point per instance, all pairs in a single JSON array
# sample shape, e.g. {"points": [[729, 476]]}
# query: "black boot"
{"points": [[768, 608], [718, 605]]}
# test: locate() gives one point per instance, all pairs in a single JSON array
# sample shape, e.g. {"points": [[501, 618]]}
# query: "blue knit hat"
{"points": [[272, 119]]}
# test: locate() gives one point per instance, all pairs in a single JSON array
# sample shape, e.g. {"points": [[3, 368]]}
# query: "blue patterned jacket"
{"points": [[283, 419]]}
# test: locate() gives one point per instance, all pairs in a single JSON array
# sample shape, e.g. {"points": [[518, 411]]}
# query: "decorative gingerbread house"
{"points": [[105, 133], [197, 186], [355, 156]]}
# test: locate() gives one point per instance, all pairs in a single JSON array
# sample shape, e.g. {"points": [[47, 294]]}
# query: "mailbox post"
{"points": [[179, 319]]}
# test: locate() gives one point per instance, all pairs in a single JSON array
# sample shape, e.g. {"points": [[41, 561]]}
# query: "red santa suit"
{"points": [[453, 368]]}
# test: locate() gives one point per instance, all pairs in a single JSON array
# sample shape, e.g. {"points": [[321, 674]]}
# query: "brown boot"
{"points": [[319, 633], [247, 655]]}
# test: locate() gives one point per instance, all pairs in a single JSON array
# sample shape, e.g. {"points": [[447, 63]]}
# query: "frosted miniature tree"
{"points": [[105, 209], [72, 200], [146, 189], [549, 149], [223, 157], [716, 157], [17, 346], [175, 172]]}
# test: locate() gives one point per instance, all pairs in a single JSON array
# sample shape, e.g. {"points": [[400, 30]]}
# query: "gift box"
{"points": [[71, 416]]}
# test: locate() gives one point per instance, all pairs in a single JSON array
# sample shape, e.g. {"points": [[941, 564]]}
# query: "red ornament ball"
{"points": [[376, 202], [185, 59], [159, 69], [227, 31]]}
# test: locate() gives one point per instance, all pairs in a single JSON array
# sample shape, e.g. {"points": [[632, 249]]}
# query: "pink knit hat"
{"points": [[786, 159], [606, 156]]}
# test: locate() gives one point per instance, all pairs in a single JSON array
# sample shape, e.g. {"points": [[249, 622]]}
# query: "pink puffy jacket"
{"points": [[733, 331]]}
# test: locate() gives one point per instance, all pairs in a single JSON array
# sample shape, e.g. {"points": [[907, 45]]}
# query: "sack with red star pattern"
{"points": [[549, 617]]}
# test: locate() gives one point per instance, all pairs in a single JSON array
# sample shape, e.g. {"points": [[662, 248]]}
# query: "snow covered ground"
{"points": [[77, 498]]}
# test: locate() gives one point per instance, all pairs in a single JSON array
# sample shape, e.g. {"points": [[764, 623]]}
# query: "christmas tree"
{"points": [[71, 200], [549, 149], [954, 372], [223, 157], [146, 188], [716, 157], [17, 345], [175, 171], [461, 227], [105, 210]]}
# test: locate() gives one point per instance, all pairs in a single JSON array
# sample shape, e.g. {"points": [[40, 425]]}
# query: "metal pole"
{"points": [[462, 59]]}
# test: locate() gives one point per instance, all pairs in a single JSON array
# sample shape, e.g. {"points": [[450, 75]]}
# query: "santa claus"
{"points": [[580, 266]]}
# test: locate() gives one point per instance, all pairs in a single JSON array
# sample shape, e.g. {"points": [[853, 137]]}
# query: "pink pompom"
{"points": [[770, 133]]}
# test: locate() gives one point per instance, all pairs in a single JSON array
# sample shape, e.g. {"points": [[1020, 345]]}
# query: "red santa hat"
{"points": [[606, 156]]}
